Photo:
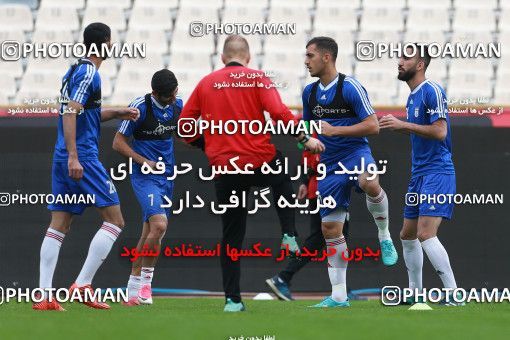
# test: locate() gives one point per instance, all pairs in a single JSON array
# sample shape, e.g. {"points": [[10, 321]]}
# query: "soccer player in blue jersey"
{"points": [[152, 141], [347, 117], [77, 170], [432, 171]]}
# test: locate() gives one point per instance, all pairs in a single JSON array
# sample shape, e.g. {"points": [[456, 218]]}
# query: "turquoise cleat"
{"points": [[329, 302], [389, 253], [289, 241], [231, 306]]}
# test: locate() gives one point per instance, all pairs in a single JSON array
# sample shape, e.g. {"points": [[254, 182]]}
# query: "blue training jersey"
{"points": [[425, 105], [83, 83], [151, 149], [337, 148]]}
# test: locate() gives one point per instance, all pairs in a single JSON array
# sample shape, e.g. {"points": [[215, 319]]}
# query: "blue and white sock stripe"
{"points": [[85, 83], [362, 93], [439, 97]]}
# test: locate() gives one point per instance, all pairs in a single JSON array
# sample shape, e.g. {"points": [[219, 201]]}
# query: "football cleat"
{"points": [[290, 243], [231, 306], [133, 301], [280, 288], [145, 295], [47, 305], [389, 253], [86, 302], [328, 302]]}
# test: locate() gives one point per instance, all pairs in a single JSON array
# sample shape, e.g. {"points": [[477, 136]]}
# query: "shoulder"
{"points": [[308, 88], [179, 102], [351, 83], [433, 87], [139, 103]]}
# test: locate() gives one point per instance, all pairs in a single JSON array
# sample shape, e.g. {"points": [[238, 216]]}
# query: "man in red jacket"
{"points": [[227, 95]]}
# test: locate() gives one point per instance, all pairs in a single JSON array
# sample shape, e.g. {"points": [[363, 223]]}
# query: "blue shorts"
{"points": [[339, 185], [95, 181], [433, 186], [149, 191]]}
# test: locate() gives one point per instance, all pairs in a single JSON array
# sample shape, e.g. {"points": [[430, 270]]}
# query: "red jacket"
{"points": [[234, 103]]}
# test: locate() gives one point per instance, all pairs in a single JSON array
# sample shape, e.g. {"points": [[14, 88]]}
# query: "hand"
{"points": [[302, 192], [326, 129], [151, 164], [129, 113], [391, 122], [75, 168], [314, 145]]}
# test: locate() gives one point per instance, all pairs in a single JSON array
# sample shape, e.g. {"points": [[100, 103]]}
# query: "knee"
{"points": [[407, 235], [158, 229], [371, 188], [424, 235], [118, 222]]}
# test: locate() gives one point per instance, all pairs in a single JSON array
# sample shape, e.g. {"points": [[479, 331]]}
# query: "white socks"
{"points": [[413, 257], [99, 248], [133, 286], [147, 273], [439, 259], [49, 256], [337, 269], [378, 207]]}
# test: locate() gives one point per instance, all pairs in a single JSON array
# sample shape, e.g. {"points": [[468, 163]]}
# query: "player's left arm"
{"points": [[124, 113], [357, 97]]}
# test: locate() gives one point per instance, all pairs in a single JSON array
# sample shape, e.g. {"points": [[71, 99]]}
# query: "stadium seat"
{"points": [[3, 99], [150, 18], [335, 18], [389, 36], [443, 5], [476, 19], [293, 62], [253, 4], [155, 40], [158, 3], [344, 39], [106, 87], [11, 68], [110, 15], [353, 4], [469, 85], [425, 19], [501, 89], [48, 65], [194, 60], [151, 63], [383, 97], [289, 43], [386, 18], [468, 36], [298, 15], [44, 83], [57, 18], [486, 4], [8, 85], [12, 35], [294, 3], [209, 4], [183, 41], [243, 14], [481, 66], [111, 3], [124, 96], [78, 4], [130, 79], [425, 36], [188, 14], [108, 69], [49, 36], [504, 20], [16, 17], [377, 81], [387, 3]]}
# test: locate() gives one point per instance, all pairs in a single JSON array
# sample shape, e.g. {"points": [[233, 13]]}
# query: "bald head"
{"points": [[236, 49]]}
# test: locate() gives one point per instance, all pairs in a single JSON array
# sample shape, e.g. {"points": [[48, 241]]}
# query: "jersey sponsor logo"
{"points": [[319, 111], [159, 130]]}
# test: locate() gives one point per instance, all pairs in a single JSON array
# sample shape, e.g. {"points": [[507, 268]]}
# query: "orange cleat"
{"points": [[92, 304], [131, 302], [47, 305]]}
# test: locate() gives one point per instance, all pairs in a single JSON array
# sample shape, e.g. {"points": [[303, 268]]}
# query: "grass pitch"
{"points": [[203, 318]]}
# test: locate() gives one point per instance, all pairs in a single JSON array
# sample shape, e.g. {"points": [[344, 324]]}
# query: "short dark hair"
{"points": [[325, 44], [423, 53], [96, 33], [164, 82]]}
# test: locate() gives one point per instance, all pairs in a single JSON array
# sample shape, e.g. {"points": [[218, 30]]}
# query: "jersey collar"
{"points": [[158, 105], [330, 85], [419, 86]]}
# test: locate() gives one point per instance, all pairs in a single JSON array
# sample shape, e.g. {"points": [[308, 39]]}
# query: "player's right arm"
{"points": [[121, 145]]}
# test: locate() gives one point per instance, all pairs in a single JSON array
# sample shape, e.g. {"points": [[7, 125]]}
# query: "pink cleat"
{"points": [[133, 301], [145, 295]]}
